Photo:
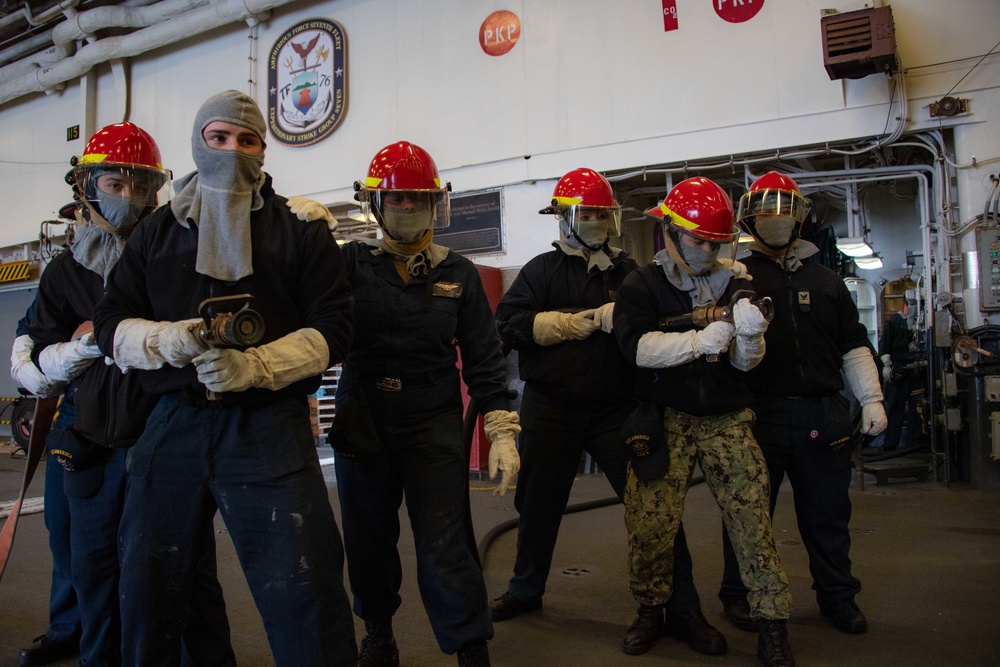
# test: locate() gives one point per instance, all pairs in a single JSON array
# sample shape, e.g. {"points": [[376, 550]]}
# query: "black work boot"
{"points": [[846, 616], [738, 613], [772, 643], [507, 606], [46, 651], [474, 654], [378, 648], [644, 631], [692, 627]]}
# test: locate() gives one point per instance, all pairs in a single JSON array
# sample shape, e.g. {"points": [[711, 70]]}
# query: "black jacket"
{"points": [[298, 280], [806, 342], [111, 407], [699, 387], [416, 328], [578, 373]]}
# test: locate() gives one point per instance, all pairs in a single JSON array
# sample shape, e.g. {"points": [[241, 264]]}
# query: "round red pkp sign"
{"points": [[737, 11], [499, 33]]}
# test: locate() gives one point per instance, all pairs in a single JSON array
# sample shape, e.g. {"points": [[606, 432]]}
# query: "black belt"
{"points": [[397, 381]]}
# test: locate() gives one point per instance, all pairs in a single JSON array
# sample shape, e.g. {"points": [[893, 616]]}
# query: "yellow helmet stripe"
{"points": [[566, 201], [93, 157], [677, 219], [372, 182]]}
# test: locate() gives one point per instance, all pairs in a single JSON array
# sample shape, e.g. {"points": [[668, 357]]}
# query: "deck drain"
{"points": [[575, 572]]}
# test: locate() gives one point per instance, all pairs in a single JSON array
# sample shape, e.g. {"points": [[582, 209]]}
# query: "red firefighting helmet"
{"points": [[122, 148], [403, 170], [773, 195], [699, 207], [583, 194]]}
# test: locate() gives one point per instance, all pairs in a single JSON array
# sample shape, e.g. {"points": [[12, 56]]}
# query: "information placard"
{"points": [[476, 224]]}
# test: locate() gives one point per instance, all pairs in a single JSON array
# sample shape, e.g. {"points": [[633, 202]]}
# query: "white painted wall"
{"points": [[590, 83]]}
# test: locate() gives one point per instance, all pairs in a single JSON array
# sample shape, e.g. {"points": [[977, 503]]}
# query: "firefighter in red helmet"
{"points": [[398, 427], [692, 380], [103, 410], [803, 426], [558, 315]]}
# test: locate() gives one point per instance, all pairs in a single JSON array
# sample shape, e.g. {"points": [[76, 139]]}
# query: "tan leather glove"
{"points": [[502, 428], [551, 326]]}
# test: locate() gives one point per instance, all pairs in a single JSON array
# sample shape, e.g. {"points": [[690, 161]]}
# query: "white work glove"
{"points": [[64, 362], [862, 379], [26, 373], [746, 351], [714, 339], [739, 269], [147, 345], [179, 343], [502, 428], [551, 326], [308, 210], [274, 366], [604, 317], [748, 319], [886, 368]]}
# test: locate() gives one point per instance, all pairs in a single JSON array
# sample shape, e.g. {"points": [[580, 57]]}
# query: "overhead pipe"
{"points": [[83, 26], [192, 23]]}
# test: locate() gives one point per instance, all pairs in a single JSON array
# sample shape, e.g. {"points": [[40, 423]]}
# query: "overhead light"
{"points": [[867, 263], [854, 246]]}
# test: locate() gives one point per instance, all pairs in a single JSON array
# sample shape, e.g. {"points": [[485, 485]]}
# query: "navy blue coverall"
{"points": [[796, 387], [248, 455], [401, 371]]}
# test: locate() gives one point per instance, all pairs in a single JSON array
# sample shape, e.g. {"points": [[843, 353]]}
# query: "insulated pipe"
{"points": [[82, 26], [192, 23], [85, 24], [61, 40]]}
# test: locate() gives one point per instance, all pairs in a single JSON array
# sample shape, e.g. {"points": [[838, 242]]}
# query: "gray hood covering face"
{"points": [[220, 195], [95, 248], [705, 289]]}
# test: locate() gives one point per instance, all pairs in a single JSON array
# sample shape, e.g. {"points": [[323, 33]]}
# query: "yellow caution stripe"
{"points": [[14, 271]]}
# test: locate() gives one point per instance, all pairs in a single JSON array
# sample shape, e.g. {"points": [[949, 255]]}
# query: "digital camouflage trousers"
{"points": [[736, 474]]}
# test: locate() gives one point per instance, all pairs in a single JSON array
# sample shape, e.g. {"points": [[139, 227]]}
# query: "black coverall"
{"points": [[577, 394]]}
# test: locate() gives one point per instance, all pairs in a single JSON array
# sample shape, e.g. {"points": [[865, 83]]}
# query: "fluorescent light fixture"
{"points": [[854, 246], [868, 263]]}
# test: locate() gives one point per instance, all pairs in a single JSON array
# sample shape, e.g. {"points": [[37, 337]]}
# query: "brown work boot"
{"points": [[645, 630], [772, 643], [378, 648]]}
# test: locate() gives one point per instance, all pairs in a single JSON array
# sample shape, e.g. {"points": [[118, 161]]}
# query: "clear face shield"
{"points": [[773, 216], [592, 225], [121, 194], [405, 215]]}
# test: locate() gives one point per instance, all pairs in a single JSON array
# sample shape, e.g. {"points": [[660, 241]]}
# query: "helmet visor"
{"points": [[585, 219], [428, 209], [773, 203], [135, 183]]}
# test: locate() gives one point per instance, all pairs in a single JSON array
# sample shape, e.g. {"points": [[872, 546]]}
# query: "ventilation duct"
{"points": [[857, 44]]}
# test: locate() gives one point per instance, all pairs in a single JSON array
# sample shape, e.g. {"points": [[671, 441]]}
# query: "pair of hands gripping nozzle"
{"points": [[228, 321]]}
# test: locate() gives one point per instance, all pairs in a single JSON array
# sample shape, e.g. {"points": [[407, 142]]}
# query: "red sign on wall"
{"points": [[737, 11], [669, 15], [499, 33]]}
